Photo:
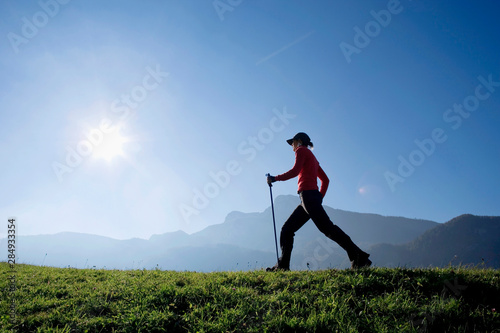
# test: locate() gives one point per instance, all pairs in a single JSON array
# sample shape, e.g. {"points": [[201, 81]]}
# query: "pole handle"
{"points": [[269, 175]]}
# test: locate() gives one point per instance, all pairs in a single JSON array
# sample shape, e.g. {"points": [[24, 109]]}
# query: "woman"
{"points": [[307, 168]]}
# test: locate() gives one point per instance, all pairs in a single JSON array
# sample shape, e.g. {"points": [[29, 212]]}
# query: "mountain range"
{"points": [[245, 241]]}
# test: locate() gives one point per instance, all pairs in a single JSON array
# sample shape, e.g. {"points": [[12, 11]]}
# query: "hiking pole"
{"points": [[274, 221]]}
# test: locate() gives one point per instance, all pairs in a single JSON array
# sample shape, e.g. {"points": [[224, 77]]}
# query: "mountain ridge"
{"points": [[243, 238], [469, 239]]}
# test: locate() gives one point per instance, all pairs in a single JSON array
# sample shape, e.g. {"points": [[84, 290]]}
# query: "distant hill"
{"points": [[79, 250], [246, 241], [466, 240]]}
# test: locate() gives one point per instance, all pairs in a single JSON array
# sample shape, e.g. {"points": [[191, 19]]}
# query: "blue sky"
{"points": [[132, 118]]}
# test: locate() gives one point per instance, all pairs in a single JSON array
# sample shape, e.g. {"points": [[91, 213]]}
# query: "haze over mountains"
{"points": [[246, 241]]}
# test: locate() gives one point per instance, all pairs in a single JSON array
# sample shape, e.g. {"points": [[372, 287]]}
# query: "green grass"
{"points": [[370, 300]]}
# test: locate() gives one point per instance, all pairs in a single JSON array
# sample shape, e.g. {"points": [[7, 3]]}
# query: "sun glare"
{"points": [[110, 147]]}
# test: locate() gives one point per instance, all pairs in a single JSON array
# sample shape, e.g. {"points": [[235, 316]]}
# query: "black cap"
{"points": [[302, 137]]}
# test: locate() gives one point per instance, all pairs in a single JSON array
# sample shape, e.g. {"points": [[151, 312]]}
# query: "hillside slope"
{"points": [[370, 300]]}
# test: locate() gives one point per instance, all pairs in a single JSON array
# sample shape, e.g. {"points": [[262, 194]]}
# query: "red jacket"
{"points": [[307, 168]]}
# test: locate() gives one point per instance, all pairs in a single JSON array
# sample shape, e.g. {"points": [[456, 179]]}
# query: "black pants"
{"points": [[311, 208]]}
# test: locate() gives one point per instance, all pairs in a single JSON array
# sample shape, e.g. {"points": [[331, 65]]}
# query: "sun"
{"points": [[110, 147]]}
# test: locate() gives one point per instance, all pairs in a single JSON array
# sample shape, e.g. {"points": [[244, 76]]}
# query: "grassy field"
{"points": [[370, 300]]}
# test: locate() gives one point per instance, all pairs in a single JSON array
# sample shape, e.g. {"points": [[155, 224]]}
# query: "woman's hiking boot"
{"points": [[361, 261], [277, 268]]}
